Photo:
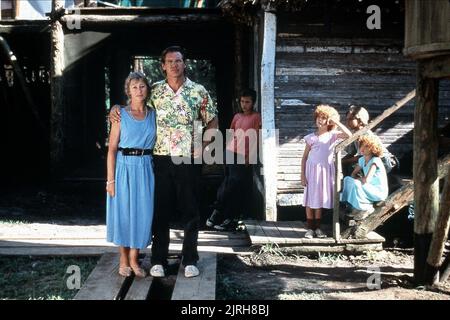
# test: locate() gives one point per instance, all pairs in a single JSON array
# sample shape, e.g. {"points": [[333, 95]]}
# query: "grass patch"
{"points": [[230, 289], [9, 221], [41, 278]]}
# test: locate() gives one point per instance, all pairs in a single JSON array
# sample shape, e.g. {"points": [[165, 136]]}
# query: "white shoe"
{"points": [[320, 234], [191, 271], [309, 234], [157, 271]]}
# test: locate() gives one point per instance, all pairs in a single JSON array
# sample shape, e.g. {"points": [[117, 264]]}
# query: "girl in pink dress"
{"points": [[318, 167]]}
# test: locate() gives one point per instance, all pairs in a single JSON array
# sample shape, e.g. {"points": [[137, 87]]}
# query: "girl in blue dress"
{"points": [[130, 184], [368, 182]]}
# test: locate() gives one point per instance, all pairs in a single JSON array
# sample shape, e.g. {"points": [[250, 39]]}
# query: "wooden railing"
{"points": [[341, 146]]}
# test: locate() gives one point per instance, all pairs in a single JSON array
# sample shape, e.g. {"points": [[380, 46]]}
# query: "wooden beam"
{"points": [[57, 102], [438, 67], [269, 137], [110, 20], [386, 113], [440, 235], [425, 169]]}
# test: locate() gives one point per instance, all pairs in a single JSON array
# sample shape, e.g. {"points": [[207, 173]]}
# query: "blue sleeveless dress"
{"points": [[129, 214]]}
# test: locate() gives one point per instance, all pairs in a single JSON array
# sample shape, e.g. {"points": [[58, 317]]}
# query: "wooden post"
{"points": [[269, 137], [426, 182], [57, 97], [337, 190], [440, 235]]}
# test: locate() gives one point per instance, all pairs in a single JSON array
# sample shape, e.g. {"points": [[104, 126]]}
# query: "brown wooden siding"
{"points": [[368, 72]]}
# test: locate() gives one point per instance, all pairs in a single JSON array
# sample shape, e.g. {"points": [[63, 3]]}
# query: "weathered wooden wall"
{"points": [[370, 72]]}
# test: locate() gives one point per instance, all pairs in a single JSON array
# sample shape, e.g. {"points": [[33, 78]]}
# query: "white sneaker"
{"points": [[309, 234], [320, 234], [191, 271], [157, 271]]}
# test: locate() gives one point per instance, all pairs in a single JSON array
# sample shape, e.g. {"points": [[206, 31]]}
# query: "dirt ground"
{"points": [[274, 275], [269, 273]]}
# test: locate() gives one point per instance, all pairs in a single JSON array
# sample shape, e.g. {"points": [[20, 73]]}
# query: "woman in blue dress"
{"points": [[130, 184], [368, 183]]}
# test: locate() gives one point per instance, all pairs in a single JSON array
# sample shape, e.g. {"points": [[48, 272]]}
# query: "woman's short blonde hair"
{"points": [[373, 143], [328, 112], [136, 76]]}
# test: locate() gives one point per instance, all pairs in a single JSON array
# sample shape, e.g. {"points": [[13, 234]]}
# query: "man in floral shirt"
{"points": [[178, 102]]}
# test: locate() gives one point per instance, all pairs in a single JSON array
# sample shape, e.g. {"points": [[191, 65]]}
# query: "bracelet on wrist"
{"points": [[110, 182]]}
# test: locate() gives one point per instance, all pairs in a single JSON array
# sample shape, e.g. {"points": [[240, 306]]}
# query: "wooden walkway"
{"points": [[291, 233], [70, 240], [104, 282]]}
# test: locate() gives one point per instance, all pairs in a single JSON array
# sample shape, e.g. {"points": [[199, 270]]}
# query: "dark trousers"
{"points": [[175, 190], [234, 194]]}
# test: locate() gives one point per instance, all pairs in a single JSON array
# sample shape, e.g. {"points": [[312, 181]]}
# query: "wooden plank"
{"points": [[256, 232], [140, 286], [268, 114], [121, 20], [26, 250], [287, 231], [104, 282], [270, 230], [202, 287], [300, 227]]}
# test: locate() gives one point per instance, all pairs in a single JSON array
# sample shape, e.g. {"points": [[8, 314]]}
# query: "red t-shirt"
{"points": [[245, 141]]}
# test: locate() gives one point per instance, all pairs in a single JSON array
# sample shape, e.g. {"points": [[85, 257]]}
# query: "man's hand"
{"points": [[114, 114]]}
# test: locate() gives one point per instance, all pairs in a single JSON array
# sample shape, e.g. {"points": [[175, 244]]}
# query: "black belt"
{"points": [[135, 152]]}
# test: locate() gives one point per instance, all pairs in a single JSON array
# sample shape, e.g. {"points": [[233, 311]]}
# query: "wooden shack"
{"points": [[323, 52], [297, 54]]}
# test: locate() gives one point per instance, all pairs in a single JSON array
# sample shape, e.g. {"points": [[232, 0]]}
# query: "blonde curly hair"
{"points": [[372, 143], [328, 112]]}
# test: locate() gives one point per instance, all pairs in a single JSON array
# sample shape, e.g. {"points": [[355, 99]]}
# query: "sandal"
{"points": [[139, 272], [125, 271]]}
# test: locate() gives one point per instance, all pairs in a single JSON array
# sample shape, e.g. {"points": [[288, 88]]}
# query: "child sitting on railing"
{"points": [[368, 182]]}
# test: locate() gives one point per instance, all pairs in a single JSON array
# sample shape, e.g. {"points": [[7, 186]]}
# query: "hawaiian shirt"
{"points": [[177, 113]]}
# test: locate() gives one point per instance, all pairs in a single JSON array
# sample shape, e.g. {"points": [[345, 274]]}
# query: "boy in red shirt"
{"points": [[241, 155]]}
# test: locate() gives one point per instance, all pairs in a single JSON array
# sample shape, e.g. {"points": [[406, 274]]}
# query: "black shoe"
{"points": [[214, 219], [226, 225]]}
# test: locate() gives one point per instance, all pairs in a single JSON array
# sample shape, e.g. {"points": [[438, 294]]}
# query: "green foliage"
{"points": [[329, 258], [200, 71], [271, 248]]}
